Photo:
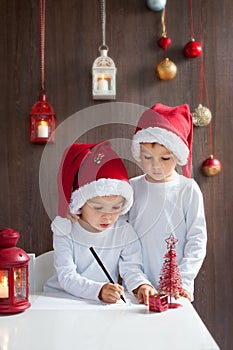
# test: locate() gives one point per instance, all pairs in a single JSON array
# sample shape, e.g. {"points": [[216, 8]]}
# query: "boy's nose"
{"points": [[155, 164], [107, 215]]}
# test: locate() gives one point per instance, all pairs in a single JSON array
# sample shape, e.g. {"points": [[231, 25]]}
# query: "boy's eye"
{"points": [[147, 157], [166, 158], [98, 208], [119, 207]]}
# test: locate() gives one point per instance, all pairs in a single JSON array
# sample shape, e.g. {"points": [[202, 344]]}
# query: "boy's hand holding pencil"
{"points": [[111, 293]]}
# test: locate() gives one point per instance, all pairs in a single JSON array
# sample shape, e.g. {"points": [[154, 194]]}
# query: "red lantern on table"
{"points": [[13, 274], [42, 121]]}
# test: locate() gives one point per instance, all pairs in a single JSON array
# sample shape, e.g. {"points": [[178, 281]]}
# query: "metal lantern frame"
{"points": [[14, 287]]}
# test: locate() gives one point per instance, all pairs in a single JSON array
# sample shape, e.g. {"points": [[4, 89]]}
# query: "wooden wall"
{"points": [[72, 39]]}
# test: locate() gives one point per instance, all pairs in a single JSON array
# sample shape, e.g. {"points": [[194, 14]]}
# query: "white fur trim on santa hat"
{"points": [[164, 137], [102, 187]]}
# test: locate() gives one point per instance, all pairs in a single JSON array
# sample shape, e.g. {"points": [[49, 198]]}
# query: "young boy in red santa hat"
{"points": [[166, 202], [93, 183]]}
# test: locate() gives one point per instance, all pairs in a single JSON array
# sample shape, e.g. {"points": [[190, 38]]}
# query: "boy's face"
{"points": [[100, 213], [157, 162]]}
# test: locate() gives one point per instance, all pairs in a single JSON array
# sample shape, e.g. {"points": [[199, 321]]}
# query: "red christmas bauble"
{"points": [[192, 49], [211, 166], [164, 42]]}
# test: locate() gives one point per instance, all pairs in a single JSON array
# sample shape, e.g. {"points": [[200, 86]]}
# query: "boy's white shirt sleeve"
{"points": [[69, 279], [195, 247]]}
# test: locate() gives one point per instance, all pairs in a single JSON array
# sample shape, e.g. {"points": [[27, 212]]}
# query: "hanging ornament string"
{"points": [[203, 87], [163, 21], [166, 69], [191, 19], [103, 21], [193, 48], [164, 41], [42, 41], [211, 166]]}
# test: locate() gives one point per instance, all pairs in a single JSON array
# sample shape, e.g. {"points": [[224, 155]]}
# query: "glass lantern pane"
{"points": [[4, 288], [20, 283]]}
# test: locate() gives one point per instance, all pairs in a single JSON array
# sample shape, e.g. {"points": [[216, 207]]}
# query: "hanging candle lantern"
{"points": [[166, 69], [13, 274], [211, 166], [156, 5], [42, 122], [103, 68], [201, 116], [42, 117], [192, 49], [103, 76]]}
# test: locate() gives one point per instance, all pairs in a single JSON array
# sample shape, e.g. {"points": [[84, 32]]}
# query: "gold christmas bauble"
{"points": [[201, 116], [166, 69]]}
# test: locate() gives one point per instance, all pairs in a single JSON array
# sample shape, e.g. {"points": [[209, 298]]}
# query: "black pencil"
{"points": [[104, 268]]}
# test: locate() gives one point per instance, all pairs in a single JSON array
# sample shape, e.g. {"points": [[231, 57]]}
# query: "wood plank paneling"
{"points": [[73, 36]]}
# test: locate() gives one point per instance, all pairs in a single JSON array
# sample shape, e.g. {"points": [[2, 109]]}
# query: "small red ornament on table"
{"points": [[158, 302]]}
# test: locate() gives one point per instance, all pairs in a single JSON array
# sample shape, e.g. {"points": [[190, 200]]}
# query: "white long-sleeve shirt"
{"points": [[77, 271], [160, 209]]}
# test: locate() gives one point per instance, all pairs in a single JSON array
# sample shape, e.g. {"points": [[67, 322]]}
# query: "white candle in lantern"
{"points": [[103, 84], [43, 129], [4, 292]]}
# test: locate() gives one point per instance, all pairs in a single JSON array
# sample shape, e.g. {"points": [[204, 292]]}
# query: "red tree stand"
{"points": [[170, 281]]}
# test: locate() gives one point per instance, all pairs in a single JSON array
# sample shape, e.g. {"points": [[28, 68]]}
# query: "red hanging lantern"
{"points": [[42, 121], [13, 274], [42, 117]]}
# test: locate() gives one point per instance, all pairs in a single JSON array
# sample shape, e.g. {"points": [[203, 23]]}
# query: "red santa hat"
{"points": [[88, 171], [171, 127]]}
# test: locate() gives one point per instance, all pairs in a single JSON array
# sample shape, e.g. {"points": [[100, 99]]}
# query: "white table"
{"points": [[55, 322]]}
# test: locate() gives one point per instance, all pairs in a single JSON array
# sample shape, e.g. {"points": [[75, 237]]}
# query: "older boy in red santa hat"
{"points": [[166, 202]]}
